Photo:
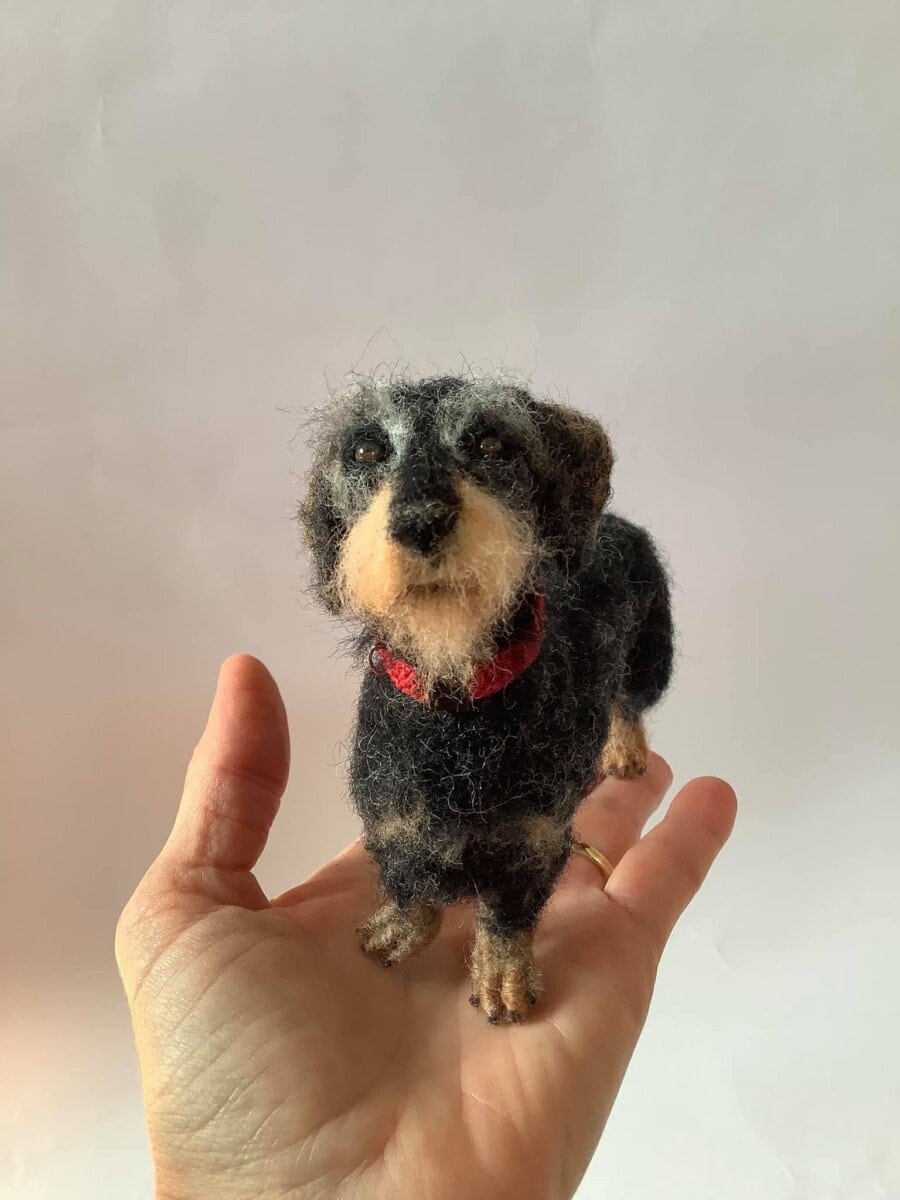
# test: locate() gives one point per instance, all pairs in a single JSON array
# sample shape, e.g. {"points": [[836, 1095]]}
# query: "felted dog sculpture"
{"points": [[514, 631]]}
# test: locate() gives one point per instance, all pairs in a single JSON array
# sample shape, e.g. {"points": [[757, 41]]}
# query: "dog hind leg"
{"points": [[647, 674], [625, 754]]}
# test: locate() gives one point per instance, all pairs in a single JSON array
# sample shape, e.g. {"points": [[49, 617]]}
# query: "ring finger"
{"points": [[612, 817]]}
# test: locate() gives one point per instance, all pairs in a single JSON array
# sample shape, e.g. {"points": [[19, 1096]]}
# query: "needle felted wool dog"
{"points": [[515, 633]]}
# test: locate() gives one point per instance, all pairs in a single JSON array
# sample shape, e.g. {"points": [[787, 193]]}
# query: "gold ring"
{"points": [[596, 857]]}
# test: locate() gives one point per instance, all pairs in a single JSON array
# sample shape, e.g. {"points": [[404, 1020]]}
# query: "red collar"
{"points": [[489, 676]]}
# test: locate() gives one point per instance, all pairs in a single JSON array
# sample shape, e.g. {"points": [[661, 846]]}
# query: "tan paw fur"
{"points": [[625, 753], [506, 984], [392, 935]]}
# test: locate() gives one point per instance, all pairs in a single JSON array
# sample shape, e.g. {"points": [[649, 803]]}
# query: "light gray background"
{"points": [[684, 217]]}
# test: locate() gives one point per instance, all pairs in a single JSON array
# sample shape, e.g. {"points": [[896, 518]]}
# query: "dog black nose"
{"points": [[422, 525], [425, 504]]}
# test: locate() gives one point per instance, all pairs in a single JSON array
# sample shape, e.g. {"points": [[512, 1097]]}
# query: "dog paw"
{"points": [[506, 1000], [392, 934], [625, 753], [506, 984], [624, 762]]}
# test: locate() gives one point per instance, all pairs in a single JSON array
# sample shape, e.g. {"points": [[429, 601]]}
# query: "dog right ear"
{"points": [[576, 485], [323, 531]]}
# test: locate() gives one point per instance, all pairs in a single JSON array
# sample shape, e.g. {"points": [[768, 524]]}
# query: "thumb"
{"points": [[236, 776]]}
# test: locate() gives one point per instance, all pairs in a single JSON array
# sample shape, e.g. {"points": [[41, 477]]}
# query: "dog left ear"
{"points": [[576, 483], [322, 532]]}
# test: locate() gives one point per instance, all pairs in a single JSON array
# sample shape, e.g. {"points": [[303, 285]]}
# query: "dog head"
{"points": [[434, 505]]}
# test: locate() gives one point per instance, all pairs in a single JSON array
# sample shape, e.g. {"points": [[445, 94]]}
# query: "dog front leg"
{"points": [[505, 980], [408, 919], [395, 933]]}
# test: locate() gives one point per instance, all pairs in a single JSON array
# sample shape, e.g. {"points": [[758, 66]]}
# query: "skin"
{"points": [[278, 1061]]}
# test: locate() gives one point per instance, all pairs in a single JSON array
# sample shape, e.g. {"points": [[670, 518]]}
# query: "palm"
{"points": [[273, 1049]]}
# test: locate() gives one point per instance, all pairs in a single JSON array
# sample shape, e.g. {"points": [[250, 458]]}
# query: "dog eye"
{"points": [[490, 446], [367, 451]]}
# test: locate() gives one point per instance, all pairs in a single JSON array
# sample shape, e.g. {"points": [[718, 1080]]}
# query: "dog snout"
{"points": [[423, 525], [425, 505]]}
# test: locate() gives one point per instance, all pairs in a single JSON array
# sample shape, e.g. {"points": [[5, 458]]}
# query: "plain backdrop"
{"points": [[682, 217]]}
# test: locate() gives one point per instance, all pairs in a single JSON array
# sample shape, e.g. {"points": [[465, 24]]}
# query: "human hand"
{"points": [[278, 1061]]}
